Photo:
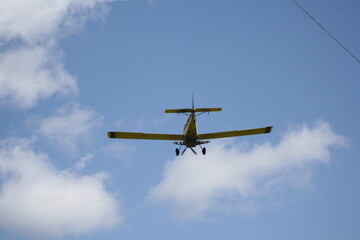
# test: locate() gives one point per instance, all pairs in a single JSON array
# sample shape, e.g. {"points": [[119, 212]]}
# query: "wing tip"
{"points": [[268, 129], [111, 134]]}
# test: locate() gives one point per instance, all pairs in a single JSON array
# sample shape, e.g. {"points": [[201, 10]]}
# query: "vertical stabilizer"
{"points": [[193, 105]]}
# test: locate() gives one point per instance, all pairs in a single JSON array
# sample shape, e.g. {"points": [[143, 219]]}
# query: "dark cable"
{"points": [[326, 31]]}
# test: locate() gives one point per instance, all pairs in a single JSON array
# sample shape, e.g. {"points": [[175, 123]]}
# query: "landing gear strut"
{"points": [[180, 151]]}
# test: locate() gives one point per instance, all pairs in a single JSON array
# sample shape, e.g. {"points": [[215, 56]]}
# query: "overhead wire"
{"points": [[308, 14]]}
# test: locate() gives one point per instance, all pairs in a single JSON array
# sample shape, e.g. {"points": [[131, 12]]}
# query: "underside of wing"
{"points": [[148, 136], [235, 133]]}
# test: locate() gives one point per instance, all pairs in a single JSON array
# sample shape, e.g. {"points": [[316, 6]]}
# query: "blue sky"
{"points": [[72, 70]]}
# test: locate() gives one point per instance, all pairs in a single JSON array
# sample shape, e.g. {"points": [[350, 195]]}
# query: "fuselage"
{"points": [[190, 131]]}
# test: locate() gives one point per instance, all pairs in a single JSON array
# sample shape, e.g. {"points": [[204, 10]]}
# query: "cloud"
{"points": [[118, 150], [38, 199], [231, 177], [30, 74], [31, 65], [81, 164], [37, 20], [68, 126]]}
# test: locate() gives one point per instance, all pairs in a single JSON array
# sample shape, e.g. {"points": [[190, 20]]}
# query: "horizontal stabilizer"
{"points": [[148, 136], [208, 109], [184, 110], [187, 110], [235, 133]]}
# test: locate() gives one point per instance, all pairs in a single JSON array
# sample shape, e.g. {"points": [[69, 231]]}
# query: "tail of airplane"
{"points": [[193, 109], [189, 110]]}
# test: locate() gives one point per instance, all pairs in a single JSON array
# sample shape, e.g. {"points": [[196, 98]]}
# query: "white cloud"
{"points": [[37, 199], [117, 150], [30, 70], [69, 125], [30, 74], [230, 177], [36, 20], [81, 164]]}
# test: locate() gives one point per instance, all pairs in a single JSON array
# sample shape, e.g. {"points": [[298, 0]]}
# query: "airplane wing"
{"points": [[148, 136], [235, 133]]}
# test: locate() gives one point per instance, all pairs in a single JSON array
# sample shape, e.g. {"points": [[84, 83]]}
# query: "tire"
{"points": [[203, 151]]}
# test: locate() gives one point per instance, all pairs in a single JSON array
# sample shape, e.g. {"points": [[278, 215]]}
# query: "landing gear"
{"points": [[177, 151], [183, 146]]}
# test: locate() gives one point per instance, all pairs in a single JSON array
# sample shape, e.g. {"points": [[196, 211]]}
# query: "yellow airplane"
{"points": [[190, 137]]}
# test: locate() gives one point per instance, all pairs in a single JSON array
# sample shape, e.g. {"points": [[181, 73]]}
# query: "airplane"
{"points": [[190, 137]]}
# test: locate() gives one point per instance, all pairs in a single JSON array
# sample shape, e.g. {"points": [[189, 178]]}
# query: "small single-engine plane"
{"points": [[190, 137]]}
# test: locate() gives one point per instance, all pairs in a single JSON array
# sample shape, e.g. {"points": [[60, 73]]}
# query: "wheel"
{"points": [[177, 151], [204, 151]]}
